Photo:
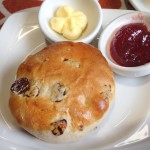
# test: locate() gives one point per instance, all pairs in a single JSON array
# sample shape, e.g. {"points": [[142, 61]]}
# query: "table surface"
{"points": [[8, 7]]}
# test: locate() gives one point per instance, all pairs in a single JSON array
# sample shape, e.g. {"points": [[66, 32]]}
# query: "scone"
{"points": [[62, 92]]}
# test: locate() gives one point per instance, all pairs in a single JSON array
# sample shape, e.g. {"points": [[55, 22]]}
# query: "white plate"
{"points": [[127, 125], [141, 5]]}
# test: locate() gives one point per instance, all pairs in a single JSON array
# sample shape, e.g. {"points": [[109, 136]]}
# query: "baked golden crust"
{"points": [[67, 80]]}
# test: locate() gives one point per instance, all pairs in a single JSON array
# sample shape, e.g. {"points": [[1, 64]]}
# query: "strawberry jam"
{"points": [[130, 46]]}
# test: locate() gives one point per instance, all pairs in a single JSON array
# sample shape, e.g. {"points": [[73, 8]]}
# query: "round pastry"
{"points": [[62, 92]]}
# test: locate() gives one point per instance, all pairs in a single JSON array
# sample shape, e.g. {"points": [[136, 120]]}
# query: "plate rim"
{"points": [[135, 4]]}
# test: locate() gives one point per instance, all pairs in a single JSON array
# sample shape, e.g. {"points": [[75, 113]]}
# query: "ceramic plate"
{"points": [[141, 5], [126, 126]]}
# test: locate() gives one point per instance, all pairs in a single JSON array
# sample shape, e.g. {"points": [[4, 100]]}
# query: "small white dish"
{"points": [[91, 8], [107, 36], [141, 5]]}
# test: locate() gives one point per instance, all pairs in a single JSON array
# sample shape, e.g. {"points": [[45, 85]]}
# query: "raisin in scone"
{"points": [[62, 92]]}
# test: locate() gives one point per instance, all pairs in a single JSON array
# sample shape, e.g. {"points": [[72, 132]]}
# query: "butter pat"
{"points": [[69, 22]]}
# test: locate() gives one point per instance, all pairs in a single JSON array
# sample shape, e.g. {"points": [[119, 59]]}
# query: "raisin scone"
{"points": [[62, 92]]}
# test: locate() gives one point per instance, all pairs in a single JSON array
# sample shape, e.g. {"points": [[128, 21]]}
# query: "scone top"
{"points": [[68, 89]]}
